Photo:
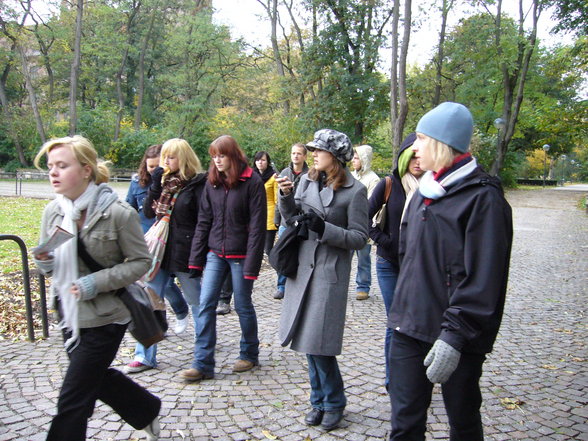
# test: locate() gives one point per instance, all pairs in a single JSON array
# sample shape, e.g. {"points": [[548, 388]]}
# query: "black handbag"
{"points": [[283, 257], [148, 317]]}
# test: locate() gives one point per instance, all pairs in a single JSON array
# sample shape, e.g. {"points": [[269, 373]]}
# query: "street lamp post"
{"points": [[546, 148], [563, 169]]}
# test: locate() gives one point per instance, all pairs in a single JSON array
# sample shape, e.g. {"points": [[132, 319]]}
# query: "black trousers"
{"points": [[89, 377], [270, 238], [410, 392]]}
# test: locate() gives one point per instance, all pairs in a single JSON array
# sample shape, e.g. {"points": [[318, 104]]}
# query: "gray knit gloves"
{"points": [[87, 287], [441, 360]]}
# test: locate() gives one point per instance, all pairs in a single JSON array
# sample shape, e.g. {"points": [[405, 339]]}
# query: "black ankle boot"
{"points": [[314, 417], [331, 419]]}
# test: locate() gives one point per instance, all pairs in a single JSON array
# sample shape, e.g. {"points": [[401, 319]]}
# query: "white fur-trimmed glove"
{"points": [[441, 360]]}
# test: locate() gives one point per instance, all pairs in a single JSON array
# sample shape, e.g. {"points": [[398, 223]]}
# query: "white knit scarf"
{"points": [[66, 270], [432, 189]]}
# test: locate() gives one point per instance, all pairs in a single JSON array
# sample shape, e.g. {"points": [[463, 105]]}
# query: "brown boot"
{"points": [[362, 295], [194, 375], [243, 366]]}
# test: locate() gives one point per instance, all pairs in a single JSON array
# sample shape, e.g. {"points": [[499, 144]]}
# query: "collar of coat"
{"points": [[321, 201], [247, 173]]}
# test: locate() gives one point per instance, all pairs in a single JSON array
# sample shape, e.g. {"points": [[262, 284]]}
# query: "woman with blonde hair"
{"points": [[334, 207], [136, 195], [455, 242], [177, 186], [93, 319]]}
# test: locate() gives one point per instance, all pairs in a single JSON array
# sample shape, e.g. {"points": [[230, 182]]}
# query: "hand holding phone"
{"points": [[285, 184]]}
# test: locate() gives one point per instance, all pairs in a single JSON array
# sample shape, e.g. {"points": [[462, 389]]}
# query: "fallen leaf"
{"points": [[268, 434], [511, 403], [549, 366]]}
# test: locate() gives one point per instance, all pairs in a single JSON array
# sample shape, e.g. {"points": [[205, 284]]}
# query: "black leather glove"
{"points": [[195, 273], [156, 180], [315, 223]]}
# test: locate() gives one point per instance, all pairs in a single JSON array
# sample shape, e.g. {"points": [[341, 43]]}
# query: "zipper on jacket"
{"points": [[225, 220], [447, 276]]}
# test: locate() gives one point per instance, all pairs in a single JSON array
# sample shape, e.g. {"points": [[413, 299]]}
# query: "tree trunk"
{"points": [[271, 9], [403, 99], [119, 74], [446, 7], [31, 92], [394, 76], [141, 70], [119, 95], [75, 70], [514, 80]]}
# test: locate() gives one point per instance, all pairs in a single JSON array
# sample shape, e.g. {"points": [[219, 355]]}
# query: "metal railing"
{"points": [[27, 290]]}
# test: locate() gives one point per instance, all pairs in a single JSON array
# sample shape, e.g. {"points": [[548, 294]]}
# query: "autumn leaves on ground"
{"points": [[20, 217]]}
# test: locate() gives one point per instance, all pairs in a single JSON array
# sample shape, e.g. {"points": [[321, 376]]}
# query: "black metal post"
{"points": [[26, 282]]}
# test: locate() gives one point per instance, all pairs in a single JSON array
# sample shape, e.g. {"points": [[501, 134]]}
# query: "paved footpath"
{"points": [[535, 383]]}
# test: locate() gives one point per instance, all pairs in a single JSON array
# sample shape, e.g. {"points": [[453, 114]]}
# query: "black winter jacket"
{"points": [[232, 223], [455, 257], [387, 238], [182, 223]]}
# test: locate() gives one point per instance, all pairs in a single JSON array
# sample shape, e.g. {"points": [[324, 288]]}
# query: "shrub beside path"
{"points": [[535, 383]]}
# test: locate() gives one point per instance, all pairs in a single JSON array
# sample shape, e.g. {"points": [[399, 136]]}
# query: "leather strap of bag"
{"points": [[388, 189], [85, 256]]}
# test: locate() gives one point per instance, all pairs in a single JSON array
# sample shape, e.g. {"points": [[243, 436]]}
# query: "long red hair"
{"points": [[226, 145]]}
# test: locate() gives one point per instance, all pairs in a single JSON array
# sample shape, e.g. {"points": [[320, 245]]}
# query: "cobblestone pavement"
{"points": [[535, 383]]}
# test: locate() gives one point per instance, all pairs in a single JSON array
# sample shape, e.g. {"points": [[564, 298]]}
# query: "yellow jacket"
{"points": [[271, 193]]}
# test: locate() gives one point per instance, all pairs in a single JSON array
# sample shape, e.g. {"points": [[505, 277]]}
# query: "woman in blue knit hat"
{"points": [[454, 248]]}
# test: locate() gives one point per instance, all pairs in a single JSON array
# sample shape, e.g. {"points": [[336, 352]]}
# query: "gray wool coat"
{"points": [[315, 301]]}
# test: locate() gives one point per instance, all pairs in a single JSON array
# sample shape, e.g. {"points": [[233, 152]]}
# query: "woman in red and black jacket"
{"points": [[229, 238]]}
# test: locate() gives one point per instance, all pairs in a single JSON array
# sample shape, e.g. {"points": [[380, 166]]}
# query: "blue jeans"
{"points": [[327, 390], [214, 275], [162, 284], [387, 278], [363, 279], [281, 278]]}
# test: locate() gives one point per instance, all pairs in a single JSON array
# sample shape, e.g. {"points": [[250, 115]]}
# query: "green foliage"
{"points": [[199, 83], [20, 217], [128, 150]]}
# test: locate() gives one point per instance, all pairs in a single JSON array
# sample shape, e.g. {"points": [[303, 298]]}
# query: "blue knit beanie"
{"points": [[450, 123]]}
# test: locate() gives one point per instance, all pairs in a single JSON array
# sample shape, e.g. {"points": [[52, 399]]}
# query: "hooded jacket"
{"points": [[366, 175], [387, 239], [455, 254]]}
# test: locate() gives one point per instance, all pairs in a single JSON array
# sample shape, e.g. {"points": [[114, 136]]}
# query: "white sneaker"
{"points": [[152, 430], [181, 325]]}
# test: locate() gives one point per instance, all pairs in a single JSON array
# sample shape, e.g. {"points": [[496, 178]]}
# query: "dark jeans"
{"points": [[327, 390], [387, 278], [90, 378], [410, 392]]}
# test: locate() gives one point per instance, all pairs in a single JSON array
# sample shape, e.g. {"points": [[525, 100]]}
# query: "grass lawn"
{"points": [[20, 217]]}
